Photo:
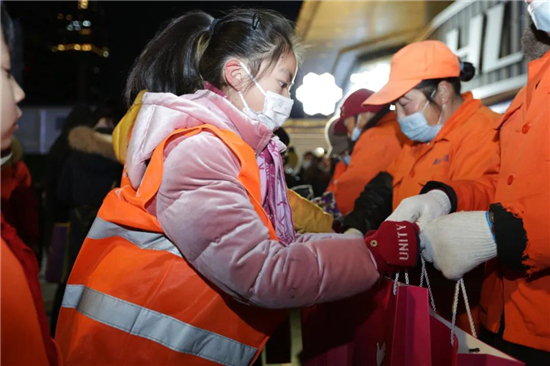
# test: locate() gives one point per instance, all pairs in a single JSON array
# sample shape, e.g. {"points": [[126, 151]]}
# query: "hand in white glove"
{"points": [[457, 243], [423, 208], [354, 232]]}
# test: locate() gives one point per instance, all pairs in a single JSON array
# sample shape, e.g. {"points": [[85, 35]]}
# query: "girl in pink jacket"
{"points": [[235, 73]]}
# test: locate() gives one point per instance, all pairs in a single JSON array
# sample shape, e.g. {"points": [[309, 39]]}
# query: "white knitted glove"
{"points": [[457, 243], [354, 232], [423, 208]]}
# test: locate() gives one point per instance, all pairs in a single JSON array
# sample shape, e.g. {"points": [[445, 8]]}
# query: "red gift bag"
{"points": [[464, 349], [397, 329], [469, 351], [328, 331], [443, 352]]}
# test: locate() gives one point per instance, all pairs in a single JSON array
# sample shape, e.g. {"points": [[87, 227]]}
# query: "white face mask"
{"points": [[540, 13], [416, 127], [276, 107]]}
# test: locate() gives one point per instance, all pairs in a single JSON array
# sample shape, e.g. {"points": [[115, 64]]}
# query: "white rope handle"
{"points": [[396, 280], [461, 286], [424, 275], [395, 283], [468, 310], [455, 306]]}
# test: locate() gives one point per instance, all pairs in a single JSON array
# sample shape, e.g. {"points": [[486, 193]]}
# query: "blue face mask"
{"points": [[355, 134], [416, 128], [346, 159]]}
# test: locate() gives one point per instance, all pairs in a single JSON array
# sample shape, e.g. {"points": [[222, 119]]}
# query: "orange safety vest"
{"points": [[132, 298]]}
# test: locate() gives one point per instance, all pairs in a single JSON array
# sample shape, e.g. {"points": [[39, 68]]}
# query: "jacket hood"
{"points": [[162, 113], [87, 140]]}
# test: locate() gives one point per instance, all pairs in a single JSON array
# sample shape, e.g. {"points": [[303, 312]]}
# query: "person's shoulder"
{"points": [[203, 143], [201, 152], [482, 120]]}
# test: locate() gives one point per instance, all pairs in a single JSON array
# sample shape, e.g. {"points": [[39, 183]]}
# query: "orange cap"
{"points": [[414, 63]]}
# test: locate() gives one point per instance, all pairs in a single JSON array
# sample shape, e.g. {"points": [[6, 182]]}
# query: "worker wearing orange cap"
{"points": [[452, 133], [376, 142], [513, 233], [453, 139]]}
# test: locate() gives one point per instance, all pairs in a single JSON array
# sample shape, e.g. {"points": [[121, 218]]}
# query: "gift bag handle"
{"points": [[424, 275], [396, 280], [460, 286]]}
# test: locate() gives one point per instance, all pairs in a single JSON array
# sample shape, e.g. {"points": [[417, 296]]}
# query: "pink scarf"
{"points": [[274, 196]]}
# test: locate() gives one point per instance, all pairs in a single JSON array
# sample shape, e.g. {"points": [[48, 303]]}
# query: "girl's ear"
{"points": [[234, 75]]}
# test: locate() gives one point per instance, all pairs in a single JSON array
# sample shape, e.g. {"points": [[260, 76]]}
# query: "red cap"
{"points": [[353, 106]]}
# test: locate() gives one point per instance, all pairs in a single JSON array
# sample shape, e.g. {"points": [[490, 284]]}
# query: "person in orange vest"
{"points": [[24, 327], [194, 260], [511, 235], [453, 139], [377, 141]]}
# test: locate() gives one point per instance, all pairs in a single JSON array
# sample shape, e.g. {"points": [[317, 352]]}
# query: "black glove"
{"points": [[373, 206]]}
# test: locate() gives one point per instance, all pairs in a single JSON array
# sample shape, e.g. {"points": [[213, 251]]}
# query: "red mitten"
{"points": [[394, 244]]}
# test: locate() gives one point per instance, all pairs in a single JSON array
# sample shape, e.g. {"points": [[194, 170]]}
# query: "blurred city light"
{"points": [[83, 4], [372, 77], [319, 94]]}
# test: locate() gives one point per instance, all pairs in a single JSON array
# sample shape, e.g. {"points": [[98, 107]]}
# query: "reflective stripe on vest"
{"points": [[102, 229], [146, 323], [157, 327]]}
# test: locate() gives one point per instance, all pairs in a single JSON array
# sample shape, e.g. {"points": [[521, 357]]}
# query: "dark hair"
{"points": [[467, 73], [7, 27], [282, 135], [193, 48]]}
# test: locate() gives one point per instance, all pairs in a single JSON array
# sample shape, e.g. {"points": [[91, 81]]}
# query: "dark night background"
{"points": [[121, 27]]}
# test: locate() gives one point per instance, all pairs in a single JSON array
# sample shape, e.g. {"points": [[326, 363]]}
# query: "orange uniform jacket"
{"points": [[22, 342], [373, 153], [523, 188], [338, 171], [465, 148]]}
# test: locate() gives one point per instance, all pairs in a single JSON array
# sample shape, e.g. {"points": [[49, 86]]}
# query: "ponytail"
{"points": [[467, 71], [170, 61]]}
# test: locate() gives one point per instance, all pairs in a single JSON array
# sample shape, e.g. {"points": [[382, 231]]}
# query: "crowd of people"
{"points": [[187, 239]]}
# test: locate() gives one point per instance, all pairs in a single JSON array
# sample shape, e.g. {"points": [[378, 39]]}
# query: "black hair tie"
{"points": [[213, 25]]}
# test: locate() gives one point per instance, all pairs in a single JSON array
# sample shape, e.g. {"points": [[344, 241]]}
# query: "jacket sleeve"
{"points": [[373, 206], [372, 154], [206, 213]]}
